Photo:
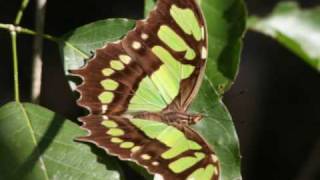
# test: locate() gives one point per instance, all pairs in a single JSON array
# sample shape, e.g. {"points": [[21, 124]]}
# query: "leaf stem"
{"points": [[4, 26], [23, 30], [45, 36], [49, 37], [23, 6], [15, 66], [54, 39]]}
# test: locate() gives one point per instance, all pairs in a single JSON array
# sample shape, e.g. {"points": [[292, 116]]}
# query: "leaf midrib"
{"points": [[34, 140]]}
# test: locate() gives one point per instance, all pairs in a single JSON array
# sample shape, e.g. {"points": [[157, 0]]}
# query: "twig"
{"points": [[23, 6], [15, 65], [22, 30], [37, 52]]}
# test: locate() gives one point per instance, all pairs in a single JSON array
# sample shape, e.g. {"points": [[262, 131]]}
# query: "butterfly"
{"points": [[138, 91]]}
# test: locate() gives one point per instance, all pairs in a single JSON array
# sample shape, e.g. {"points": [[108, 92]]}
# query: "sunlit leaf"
{"points": [[295, 28], [38, 144], [226, 24]]}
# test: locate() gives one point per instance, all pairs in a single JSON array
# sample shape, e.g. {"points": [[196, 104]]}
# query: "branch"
{"points": [[22, 30], [37, 52], [23, 6]]}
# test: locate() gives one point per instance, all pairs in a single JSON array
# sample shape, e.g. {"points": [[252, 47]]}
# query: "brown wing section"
{"points": [[107, 65], [145, 33], [144, 151]]}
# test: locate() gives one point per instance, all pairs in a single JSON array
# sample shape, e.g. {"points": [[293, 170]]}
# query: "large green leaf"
{"points": [[226, 25], [218, 129], [226, 22], [37, 144], [297, 29]]}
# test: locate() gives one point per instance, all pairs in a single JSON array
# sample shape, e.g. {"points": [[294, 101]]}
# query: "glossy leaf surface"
{"points": [[36, 143], [295, 28]]}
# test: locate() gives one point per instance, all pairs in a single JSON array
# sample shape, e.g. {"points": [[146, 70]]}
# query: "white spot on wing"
{"points": [[203, 33], [136, 45], [104, 109], [125, 59], [144, 36], [135, 149], [155, 163], [158, 177], [204, 53], [214, 158], [145, 157]]}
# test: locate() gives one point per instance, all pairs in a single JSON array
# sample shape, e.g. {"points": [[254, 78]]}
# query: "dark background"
{"points": [[277, 117]]}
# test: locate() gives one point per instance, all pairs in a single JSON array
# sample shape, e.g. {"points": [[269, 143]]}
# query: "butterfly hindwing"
{"points": [[181, 155]]}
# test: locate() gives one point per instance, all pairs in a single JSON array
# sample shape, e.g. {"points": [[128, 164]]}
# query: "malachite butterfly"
{"points": [[138, 91]]}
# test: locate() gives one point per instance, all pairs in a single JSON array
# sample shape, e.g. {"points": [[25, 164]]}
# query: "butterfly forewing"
{"points": [[174, 31]]}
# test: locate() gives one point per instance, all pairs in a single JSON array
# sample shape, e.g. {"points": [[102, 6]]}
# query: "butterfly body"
{"points": [[171, 117], [138, 91]]}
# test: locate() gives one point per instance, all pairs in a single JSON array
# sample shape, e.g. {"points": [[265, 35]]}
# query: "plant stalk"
{"points": [[37, 52], [19, 16], [23, 30], [15, 66]]}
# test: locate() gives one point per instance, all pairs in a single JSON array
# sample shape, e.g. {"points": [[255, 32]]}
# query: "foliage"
{"points": [[37, 143], [225, 40], [296, 29]]}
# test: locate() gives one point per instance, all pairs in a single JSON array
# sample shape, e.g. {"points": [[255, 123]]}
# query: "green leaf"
{"points": [[295, 28], [226, 22], [36, 144], [226, 25], [218, 129]]}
